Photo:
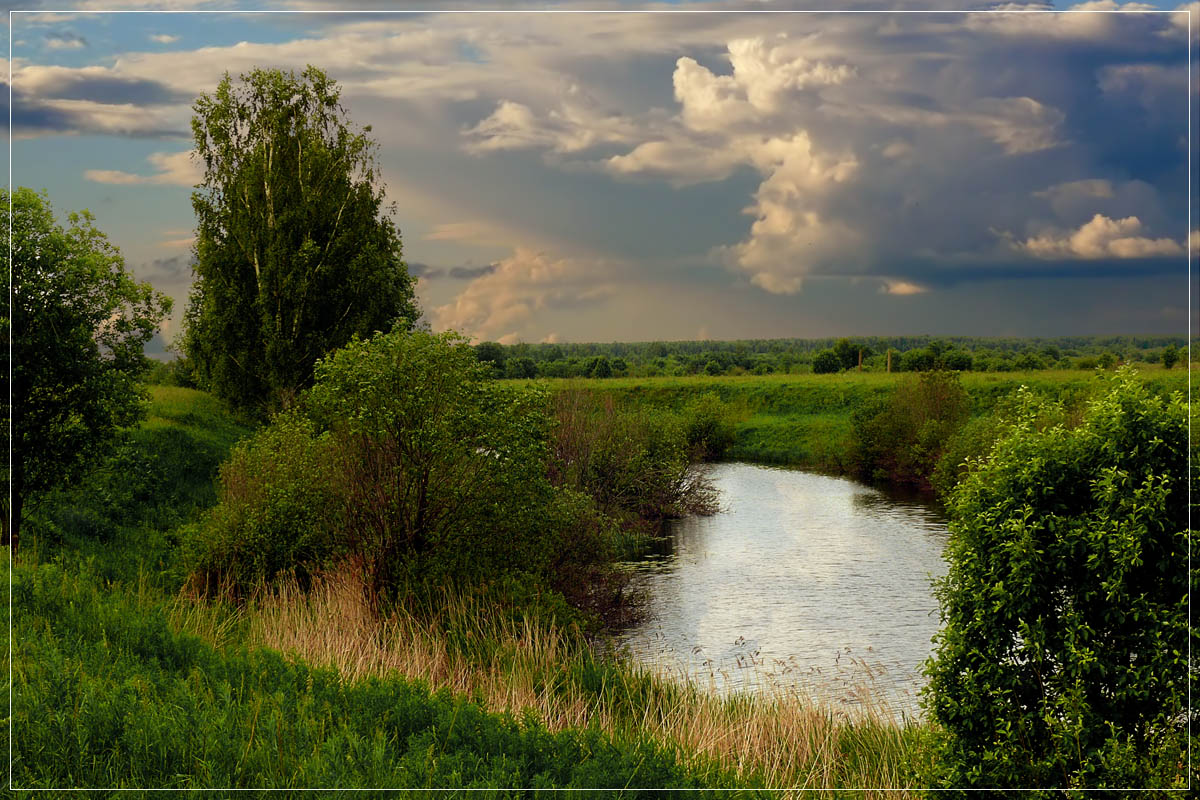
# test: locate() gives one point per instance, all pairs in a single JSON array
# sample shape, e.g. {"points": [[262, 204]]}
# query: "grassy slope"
{"points": [[804, 420], [108, 694]]}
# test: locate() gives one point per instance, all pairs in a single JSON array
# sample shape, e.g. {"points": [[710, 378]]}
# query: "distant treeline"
{"points": [[872, 353]]}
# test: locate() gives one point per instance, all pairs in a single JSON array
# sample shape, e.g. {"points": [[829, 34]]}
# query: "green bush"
{"points": [[900, 439], [635, 463], [279, 511], [826, 362], [403, 455], [711, 426], [1062, 659]]}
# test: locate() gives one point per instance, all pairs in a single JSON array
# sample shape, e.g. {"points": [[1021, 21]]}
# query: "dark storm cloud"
{"points": [[463, 273], [419, 270], [106, 88], [468, 272], [32, 116], [175, 267], [64, 40]]}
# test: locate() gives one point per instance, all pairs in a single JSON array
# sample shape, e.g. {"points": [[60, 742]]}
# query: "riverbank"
{"points": [[805, 420], [291, 689]]}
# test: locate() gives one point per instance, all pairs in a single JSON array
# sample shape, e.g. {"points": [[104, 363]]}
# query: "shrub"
{"points": [[901, 438], [279, 510], [403, 455], [1062, 658], [634, 463], [826, 362], [711, 426]]}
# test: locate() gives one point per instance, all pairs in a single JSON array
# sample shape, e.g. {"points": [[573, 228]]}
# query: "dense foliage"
{"points": [[407, 458], [79, 324], [294, 253], [901, 439], [1063, 657]]}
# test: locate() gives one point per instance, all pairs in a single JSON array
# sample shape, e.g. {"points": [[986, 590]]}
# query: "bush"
{"points": [[711, 426], [634, 463], [900, 439], [279, 510], [1062, 659], [403, 455], [826, 362]]}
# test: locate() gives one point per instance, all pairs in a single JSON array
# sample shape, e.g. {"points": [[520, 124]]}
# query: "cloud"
{"points": [[174, 169], [1101, 238], [505, 300], [902, 288], [163, 38], [574, 126], [64, 40], [472, 231], [463, 273], [470, 272], [73, 117]]}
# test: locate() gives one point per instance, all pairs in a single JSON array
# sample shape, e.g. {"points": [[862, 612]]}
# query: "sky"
{"points": [[663, 175]]}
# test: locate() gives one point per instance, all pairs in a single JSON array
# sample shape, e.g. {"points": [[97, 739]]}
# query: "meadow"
{"points": [[804, 420]]}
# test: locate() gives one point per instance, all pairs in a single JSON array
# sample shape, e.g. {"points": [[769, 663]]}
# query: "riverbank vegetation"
{"points": [[493, 683]]}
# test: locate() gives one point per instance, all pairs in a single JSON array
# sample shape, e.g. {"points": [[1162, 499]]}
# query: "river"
{"points": [[802, 582]]}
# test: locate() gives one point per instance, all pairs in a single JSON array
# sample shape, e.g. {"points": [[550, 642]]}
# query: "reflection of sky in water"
{"points": [[803, 581]]}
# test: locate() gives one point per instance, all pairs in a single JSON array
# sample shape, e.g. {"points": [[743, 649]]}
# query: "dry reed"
{"points": [[778, 737]]}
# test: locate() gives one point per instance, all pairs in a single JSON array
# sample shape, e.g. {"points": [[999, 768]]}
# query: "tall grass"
{"points": [[525, 667], [108, 696]]}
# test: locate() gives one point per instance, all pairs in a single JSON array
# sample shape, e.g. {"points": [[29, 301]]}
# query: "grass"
{"points": [[525, 667], [804, 420], [107, 695]]}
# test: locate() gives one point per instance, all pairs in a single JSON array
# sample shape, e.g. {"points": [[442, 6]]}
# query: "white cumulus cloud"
{"points": [[174, 169], [1101, 237]]}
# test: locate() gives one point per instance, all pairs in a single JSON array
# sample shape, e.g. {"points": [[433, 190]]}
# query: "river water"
{"points": [[803, 582]]}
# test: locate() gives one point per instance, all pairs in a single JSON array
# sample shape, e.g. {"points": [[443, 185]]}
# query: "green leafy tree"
{"points": [[294, 254], [79, 324], [492, 354], [1062, 661], [1170, 356], [826, 362]]}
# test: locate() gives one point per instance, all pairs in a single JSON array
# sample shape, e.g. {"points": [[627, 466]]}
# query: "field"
{"points": [[804, 420]]}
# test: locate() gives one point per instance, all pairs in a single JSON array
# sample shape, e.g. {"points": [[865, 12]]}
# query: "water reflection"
{"points": [[803, 580]]}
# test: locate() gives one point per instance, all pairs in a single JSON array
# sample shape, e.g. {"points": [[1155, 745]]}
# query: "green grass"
{"points": [[107, 695], [122, 518], [804, 420]]}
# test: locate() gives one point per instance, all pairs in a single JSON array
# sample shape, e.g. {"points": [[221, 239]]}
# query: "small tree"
{"points": [[1062, 661], [826, 362], [1170, 356], [492, 354], [79, 325], [294, 255]]}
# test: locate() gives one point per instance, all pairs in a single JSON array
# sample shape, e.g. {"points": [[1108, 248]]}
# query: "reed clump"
{"points": [[530, 667]]}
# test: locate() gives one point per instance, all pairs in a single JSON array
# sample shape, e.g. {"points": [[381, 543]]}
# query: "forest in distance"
{"points": [[799, 356]]}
